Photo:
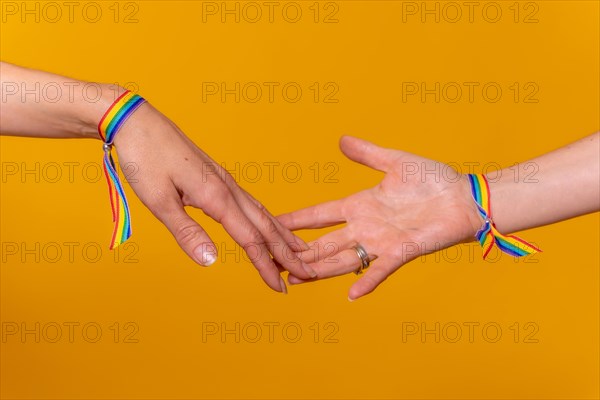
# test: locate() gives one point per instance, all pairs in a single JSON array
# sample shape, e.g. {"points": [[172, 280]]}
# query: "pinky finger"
{"points": [[373, 277]]}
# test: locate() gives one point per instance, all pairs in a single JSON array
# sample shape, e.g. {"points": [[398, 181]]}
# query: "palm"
{"points": [[407, 214]]}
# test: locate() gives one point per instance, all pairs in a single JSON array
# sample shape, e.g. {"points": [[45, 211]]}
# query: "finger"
{"points": [[342, 263], [189, 235], [218, 202], [294, 241], [275, 242], [318, 216], [373, 277], [243, 231], [368, 154], [326, 246]]}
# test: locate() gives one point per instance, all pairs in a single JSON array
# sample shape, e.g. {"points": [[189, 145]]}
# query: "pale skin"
{"points": [[172, 171], [396, 221], [411, 213]]}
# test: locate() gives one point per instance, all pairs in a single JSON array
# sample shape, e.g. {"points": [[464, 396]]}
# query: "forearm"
{"points": [[565, 184], [40, 104]]}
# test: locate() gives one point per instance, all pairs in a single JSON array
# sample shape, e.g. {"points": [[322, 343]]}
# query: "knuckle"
{"points": [[211, 170], [261, 206], [343, 210], [370, 283], [215, 200], [268, 225], [157, 200], [254, 247], [229, 179], [344, 207], [216, 191], [188, 233], [396, 253], [253, 239]]}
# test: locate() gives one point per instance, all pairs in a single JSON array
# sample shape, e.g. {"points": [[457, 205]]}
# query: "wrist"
{"points": [[474, 218], [89, 111], [500, 190], [502, 203], [132, 133], [124, 121]]}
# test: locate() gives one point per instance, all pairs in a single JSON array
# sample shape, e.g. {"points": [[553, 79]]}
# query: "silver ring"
{"points": [[364, 259]]}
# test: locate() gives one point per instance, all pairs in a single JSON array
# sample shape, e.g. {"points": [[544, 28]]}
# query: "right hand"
{"points": [[174, 173]]}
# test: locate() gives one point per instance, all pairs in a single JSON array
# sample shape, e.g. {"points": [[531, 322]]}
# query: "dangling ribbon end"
{"points": [[117, 240], [489, 243], [108, 127]]}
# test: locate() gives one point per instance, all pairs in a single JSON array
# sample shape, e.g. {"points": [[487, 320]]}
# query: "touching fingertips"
{"points": [[205, 255], [299, 244], [292, 280], [311, 272], [283, 286]]}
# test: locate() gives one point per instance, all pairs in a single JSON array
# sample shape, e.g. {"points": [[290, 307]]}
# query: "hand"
{"points": [[411, 212], [174, 173]]}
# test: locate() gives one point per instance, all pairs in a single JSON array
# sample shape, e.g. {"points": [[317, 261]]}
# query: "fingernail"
{"points": [[283, 287], [350, 300], [205, 255], [311, 272]]}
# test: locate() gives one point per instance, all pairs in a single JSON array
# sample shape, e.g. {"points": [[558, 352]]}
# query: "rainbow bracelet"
{"points": [[488, 235], [109, 125]]}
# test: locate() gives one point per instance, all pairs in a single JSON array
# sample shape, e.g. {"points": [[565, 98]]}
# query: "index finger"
{"points": [[228, 212], [318, 216]]}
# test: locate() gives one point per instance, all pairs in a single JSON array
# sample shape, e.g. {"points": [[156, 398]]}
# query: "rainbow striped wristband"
{"points": [[488, 235], [109, 126]]}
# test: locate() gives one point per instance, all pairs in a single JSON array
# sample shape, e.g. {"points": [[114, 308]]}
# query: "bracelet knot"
{"points": [[488, 235]]}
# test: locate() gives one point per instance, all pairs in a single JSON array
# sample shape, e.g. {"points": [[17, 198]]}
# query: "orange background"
{"points": [[361, 349]]}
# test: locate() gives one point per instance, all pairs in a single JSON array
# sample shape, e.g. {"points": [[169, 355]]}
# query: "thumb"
{"points": [[368, 154], [189, 235]]}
